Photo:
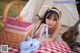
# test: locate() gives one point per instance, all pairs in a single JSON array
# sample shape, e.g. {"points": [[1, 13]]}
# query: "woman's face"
{"points": [[51, 22]]}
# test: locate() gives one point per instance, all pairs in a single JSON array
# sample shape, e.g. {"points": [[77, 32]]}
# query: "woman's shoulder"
{"points": [[58, 25]]}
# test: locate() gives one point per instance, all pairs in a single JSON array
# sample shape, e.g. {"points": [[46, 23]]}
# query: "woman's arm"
{"points": [[56, 32], [36, 33]]}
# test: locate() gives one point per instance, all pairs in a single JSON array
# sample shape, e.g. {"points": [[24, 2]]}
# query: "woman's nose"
{"points": [[51, 22]]}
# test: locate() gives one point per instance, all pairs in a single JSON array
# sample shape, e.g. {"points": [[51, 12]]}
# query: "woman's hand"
{"points": [[44, 39]]}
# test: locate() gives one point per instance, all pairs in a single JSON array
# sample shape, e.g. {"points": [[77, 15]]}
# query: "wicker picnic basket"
{"points": [[15, 30]]}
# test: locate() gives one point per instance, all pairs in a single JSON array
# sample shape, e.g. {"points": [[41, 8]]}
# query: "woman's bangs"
{"points": [[49, 15]]}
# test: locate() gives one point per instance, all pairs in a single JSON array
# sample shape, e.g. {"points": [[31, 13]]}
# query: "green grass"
{"points": [[13, 11]]}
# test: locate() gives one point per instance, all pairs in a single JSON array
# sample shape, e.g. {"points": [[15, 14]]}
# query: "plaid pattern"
{"points": [[47, 47], [54, 47]]}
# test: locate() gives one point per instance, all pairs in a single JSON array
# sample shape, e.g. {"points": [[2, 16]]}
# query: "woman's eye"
{"points": [[55, 19], [49, 19]]}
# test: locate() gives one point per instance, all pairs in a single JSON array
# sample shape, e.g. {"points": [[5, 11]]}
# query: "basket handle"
{"points": [[7, 8]]}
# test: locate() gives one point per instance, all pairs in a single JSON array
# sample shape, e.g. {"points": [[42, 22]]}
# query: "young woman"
{"points": [[50, 18]]}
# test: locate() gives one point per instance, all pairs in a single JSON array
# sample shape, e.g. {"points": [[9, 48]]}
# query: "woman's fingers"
{"points": [[42, 39]]}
